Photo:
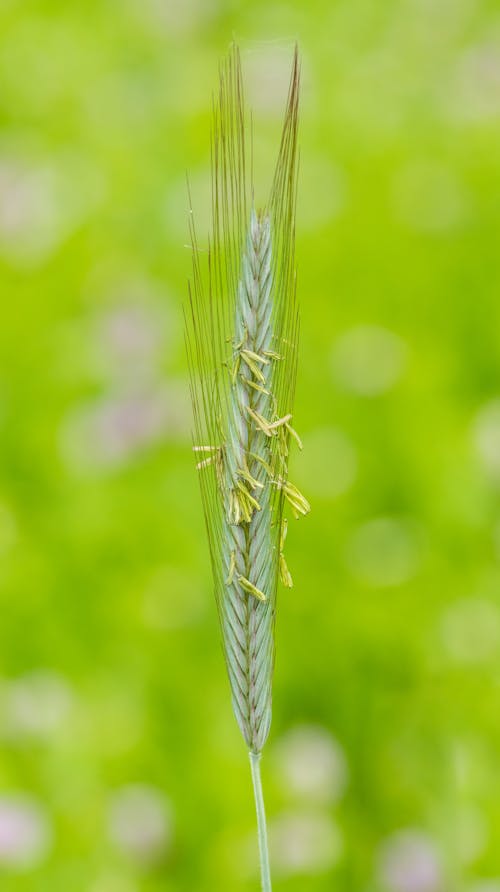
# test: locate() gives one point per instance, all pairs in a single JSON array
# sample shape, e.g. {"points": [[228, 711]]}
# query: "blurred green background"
{"points": [[121, 767]]}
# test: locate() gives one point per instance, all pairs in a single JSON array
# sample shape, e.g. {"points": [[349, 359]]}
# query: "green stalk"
{"points": [[265, 870]]}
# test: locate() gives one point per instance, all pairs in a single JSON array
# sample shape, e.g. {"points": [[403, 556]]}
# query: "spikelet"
{"points": [[241, 334]]}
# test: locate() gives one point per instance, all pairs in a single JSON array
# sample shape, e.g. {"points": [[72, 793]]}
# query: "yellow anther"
{"points": [[232, 566], [251, 588], [280, 422], [253, 366], [255, 356], [294, 434], [286, 576], [255, 386], [261, 422]]}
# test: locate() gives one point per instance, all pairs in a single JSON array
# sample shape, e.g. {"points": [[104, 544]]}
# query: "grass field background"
{"points": [[121, 766]]}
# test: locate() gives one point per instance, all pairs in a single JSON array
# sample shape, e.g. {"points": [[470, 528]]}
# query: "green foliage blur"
{"points": [[121, 767]]}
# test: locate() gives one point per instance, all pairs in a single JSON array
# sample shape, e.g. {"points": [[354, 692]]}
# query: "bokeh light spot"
{"points": [[409, 861], [304, 843], [41, 203], [25, 832], [34, 705], [311, 764], [113, 431], [486, 432], [470, 630], [140, 823], [368, 360], [384, 551]]}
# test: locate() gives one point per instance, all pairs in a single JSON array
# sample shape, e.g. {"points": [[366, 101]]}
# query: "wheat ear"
{"points": [[241, 333]]}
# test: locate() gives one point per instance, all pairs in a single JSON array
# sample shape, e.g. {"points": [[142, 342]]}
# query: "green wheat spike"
{"points": [[242, 318]]}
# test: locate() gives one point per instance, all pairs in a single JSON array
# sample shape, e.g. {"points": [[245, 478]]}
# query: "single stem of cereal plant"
{"points": [[241, 335], [265, 870]]}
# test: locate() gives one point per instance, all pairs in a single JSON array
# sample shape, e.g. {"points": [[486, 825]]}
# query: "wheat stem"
{"points": [[265, 871]]}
